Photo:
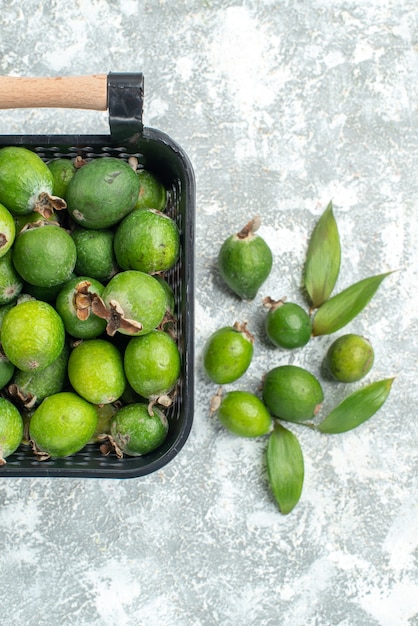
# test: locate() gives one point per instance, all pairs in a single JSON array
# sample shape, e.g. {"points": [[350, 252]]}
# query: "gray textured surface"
{"points": [[281, 106]]}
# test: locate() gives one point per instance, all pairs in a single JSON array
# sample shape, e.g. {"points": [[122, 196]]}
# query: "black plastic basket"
{"points": [[160, 154]]}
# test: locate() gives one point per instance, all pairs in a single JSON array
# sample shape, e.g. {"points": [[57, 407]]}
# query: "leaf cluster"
{"points": [[330, 312]]}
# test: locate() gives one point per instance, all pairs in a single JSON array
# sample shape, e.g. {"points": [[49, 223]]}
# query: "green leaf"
{"points": [[323, 259], [346, 305], [285, 467], [356, 408]]}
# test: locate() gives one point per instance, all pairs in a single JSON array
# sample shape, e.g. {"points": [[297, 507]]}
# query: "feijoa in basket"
{"points": [[67, 207]]}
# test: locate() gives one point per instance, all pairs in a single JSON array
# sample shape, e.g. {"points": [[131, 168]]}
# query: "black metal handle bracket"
{"points": [[125, 94]]}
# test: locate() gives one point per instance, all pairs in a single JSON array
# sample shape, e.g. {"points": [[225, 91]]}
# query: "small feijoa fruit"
{"points": [[102, 192], [95, 370], [26, 183], [152, 193], [287, 324], [244, 414], [11, 429], [147, 240], [136, 430], [73, 304], [349, 358], [152, 364], [44, 255], [32, 335], [245, 261], [6, 370], [95, 254], [292, 393], [62, 171], [134, 303], [228, 353], [7, 230], [29, 388], [11, 283], [62, 425]]}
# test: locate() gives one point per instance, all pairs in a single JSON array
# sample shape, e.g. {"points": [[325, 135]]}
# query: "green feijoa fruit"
{"points": [[6, 370], [147, 240], [169, 322], [349, 358], [11, 429], [135, 430], [243, 414], [7, 230], [44, 255], [11, 283], [152, 193], [133, 303], [32, 335], [287, 324], [23, 221], [47, 294], [62, 425], [152, 364], [130, 396], [95, 255], [227, 353], [26, 183], [356, 408], [245, 261], [73, 304], [62, 171], [30, 388], [285, 468], [105, 414], [3, 310], [292, 393], [102, 192], [95, 371], [171, 302]]}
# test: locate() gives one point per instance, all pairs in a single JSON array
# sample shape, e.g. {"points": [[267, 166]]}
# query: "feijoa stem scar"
{"points": [[356, 408], [47, 204], [285, 467], [323, 259], [250, 228]]}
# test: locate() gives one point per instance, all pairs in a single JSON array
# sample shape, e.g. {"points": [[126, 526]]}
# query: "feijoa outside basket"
{"points": [[121, 94]]}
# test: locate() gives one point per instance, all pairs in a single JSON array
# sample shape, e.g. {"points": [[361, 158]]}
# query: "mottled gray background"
{"points": [[281, 106]]}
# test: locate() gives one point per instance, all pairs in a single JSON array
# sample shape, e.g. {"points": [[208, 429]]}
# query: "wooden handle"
{"points": [[72, 92]]}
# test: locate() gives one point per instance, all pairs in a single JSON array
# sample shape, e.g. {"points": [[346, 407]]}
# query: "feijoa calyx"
{"points": [[132, 303], [245, 261]]}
